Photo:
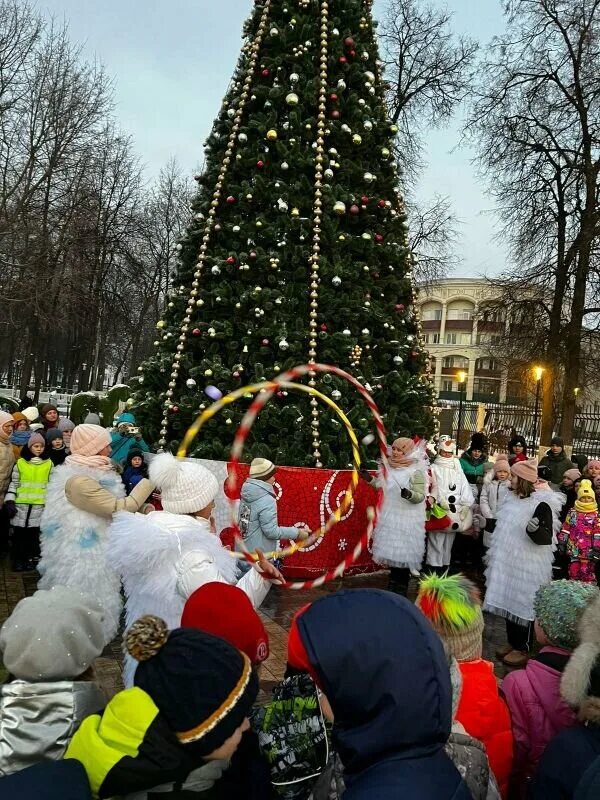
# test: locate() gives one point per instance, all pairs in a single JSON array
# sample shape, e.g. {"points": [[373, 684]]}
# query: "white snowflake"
{"points": [[342, 544]]}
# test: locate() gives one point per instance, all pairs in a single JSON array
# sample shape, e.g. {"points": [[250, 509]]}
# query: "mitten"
{"points": [[11, 508]]}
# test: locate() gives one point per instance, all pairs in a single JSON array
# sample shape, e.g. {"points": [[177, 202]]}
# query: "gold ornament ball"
{"points": [[339, 207], [295, 212], [272, 135], [394, 128], [160, 324], [291, 99], [356, 139], [385, 152]]}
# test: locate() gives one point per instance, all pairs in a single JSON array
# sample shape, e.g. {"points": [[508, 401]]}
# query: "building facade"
{"points": [[460, 332]]}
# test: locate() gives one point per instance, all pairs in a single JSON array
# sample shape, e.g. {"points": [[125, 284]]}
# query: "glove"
{"points": [[365, 475], [11, 508], [533, 525], [406, 494]]}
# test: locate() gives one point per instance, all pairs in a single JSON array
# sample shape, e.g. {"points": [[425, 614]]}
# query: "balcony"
{"points": [[489, 326], [445, 395], [487, 373], [486, 397], [431, 324], [459, 324]]}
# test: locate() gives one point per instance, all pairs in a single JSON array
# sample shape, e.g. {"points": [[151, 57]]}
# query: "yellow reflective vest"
{"points": [[33, 479]]}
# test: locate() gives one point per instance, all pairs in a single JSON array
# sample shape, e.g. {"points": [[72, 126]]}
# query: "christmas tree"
{"points": [[297, 251]]}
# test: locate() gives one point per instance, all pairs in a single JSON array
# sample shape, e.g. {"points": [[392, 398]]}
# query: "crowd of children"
{"points": [[382, 698]]}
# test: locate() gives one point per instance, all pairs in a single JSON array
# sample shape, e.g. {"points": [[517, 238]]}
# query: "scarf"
{"points": [[94, 462], [20, 438], [588, 507], [406, 458]]}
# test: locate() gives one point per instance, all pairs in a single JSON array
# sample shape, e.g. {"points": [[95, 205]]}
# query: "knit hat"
{"points": [[126, 418], [4, 418], [18, 416], [53, 635], [528, 470], [501, 464], [92, 419], [36, 438], [262, 469], [478, 442], [447, 446], [203, 687], [580, 683], [572, 475], [65, 425], [89, 440], [185, 487], [558, 607], [452, 604], [46, 408], [557, 441], [226, 611], [586, 499], [52, 434], [31, 413], [133, 453], [594, 464], [36, 426]]}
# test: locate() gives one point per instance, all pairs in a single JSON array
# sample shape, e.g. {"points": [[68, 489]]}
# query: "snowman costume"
{"points": [[454, 494], [399, 538]]}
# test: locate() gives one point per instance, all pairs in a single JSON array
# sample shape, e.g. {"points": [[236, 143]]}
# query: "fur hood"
{"points": [[583, 669]]}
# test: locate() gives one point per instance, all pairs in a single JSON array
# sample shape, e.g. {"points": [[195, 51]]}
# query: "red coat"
{"points": [[484, 715]]}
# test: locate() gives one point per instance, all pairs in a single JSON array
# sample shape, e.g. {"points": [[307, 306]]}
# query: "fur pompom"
{"points": [[589, 625], [575, 681], [451, 602], [590, 710], [165, 471], [146, 637]]}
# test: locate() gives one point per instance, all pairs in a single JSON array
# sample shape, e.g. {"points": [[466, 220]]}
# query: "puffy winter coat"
{"points": [[386, 677], [37, 720], [7, 462], [54, 780], [557, 464], [475, 468], [258, 516], [493, 493], [564, 763], [470, 759], [121, 445], [28, 491], [484, 715]]}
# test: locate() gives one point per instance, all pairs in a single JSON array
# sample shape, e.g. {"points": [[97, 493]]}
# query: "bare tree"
{"points": [[433, 236]]}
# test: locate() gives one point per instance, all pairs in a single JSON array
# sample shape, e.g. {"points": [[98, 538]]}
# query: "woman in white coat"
{"points": [[164, 556], [399, 538], [454, 494]]}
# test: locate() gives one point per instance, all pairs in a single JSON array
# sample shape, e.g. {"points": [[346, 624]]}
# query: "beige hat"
{"points": [[526, 470], [262, 468]]}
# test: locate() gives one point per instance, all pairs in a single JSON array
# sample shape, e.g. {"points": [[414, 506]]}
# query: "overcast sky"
{"points": [[172, 59]]}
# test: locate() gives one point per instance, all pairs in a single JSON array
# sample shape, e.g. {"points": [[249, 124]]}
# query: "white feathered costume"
{"points": [[516, 566], [399, 538], [452, 491], [163, 557]]}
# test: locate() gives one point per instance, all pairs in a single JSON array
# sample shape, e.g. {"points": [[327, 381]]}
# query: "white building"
{"points": [[457, 331]]}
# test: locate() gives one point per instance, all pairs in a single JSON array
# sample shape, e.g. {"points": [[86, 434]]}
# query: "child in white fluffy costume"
{"points": [[164, 556]]}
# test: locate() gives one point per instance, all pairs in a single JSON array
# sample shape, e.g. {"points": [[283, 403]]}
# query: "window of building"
{"points": [[487, 363], [464, 338], [460, 362], [431, 314], [460, 313], [486, 386], [446, 386], [450, 338], [432, 338]]}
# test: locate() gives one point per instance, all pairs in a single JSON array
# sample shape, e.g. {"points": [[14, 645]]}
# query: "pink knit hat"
{"points": [[573, 474], [526, 470], [35, 438], [89, 440], [501, 464]]}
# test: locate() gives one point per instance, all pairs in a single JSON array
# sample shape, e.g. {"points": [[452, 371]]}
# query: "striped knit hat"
{"points": [[452, 604], [203, 687]]}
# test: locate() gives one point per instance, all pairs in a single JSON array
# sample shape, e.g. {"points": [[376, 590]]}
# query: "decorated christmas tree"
{"points": [[297, 251]]}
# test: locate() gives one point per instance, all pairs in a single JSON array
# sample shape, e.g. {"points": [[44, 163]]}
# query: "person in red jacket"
{"points": [[452, 604]]}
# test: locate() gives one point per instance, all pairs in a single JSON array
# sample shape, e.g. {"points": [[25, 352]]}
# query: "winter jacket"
{"points": [[28, 491], [564, 763], [493, 493], [390, 693], [514, 458], [484, 715], [570, 498], [579, 534], [537, 710], [258, 517], [470, 759], [89, 495], [558, 464], [131, 477], [475, 468], [588, 787], [37, 720], [162, 558], [57, 455], [54, 780], [7, 462], [121, 445]]}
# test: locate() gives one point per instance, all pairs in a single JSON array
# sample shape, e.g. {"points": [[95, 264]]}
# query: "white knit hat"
{"points": [[184, 487], [31, 413], [262, 468]]}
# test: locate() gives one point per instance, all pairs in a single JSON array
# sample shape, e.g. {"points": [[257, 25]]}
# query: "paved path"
{"points": [[277, 612]]}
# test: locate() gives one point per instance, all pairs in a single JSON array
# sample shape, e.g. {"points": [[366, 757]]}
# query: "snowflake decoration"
{"points": [[342, 544]]}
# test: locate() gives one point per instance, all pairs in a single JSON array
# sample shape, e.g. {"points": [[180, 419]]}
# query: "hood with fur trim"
{"points": [[580, 684]]}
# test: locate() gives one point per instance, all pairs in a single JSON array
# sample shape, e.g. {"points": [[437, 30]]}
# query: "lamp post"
{"points": [[537, 373], [461, 377]]}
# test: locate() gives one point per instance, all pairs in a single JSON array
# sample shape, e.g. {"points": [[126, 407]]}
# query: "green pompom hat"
{"points": [[558, 607]]}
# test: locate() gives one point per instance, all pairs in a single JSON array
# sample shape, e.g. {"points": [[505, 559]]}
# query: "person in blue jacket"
{"points": [[385, 682], [257, 516], [125, 436]]}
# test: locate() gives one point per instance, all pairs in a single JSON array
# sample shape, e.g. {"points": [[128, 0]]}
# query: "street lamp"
{"points": [[537, 373], [461, 377]]}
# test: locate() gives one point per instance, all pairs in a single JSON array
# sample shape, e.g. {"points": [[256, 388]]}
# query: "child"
{"points": [[517, 450], [135, 470], [453, 606], [57, 451], [496, 486], [257, 516], [567, 487], [533, 694], [49, 416], [48, 646], [579, 538], [520, 557], [181, 723], [25, 500], [66, 426], [124, 437], [21, 433], [557, 460]]}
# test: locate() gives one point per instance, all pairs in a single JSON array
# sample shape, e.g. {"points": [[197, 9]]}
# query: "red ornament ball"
{"points": [[265, 73], [381, 204], [413, 354], [399, 306], [231, 260], [253, 255], [280, 394], [354, 209], [236, 374], [230, 199], [333, 98], [349, 41], [196, 332], [364, 200], [265, 342], [378, 237], [175, 410], [260, 165], [352, 53], [343, 60], [323, 326], [335, 114]]}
